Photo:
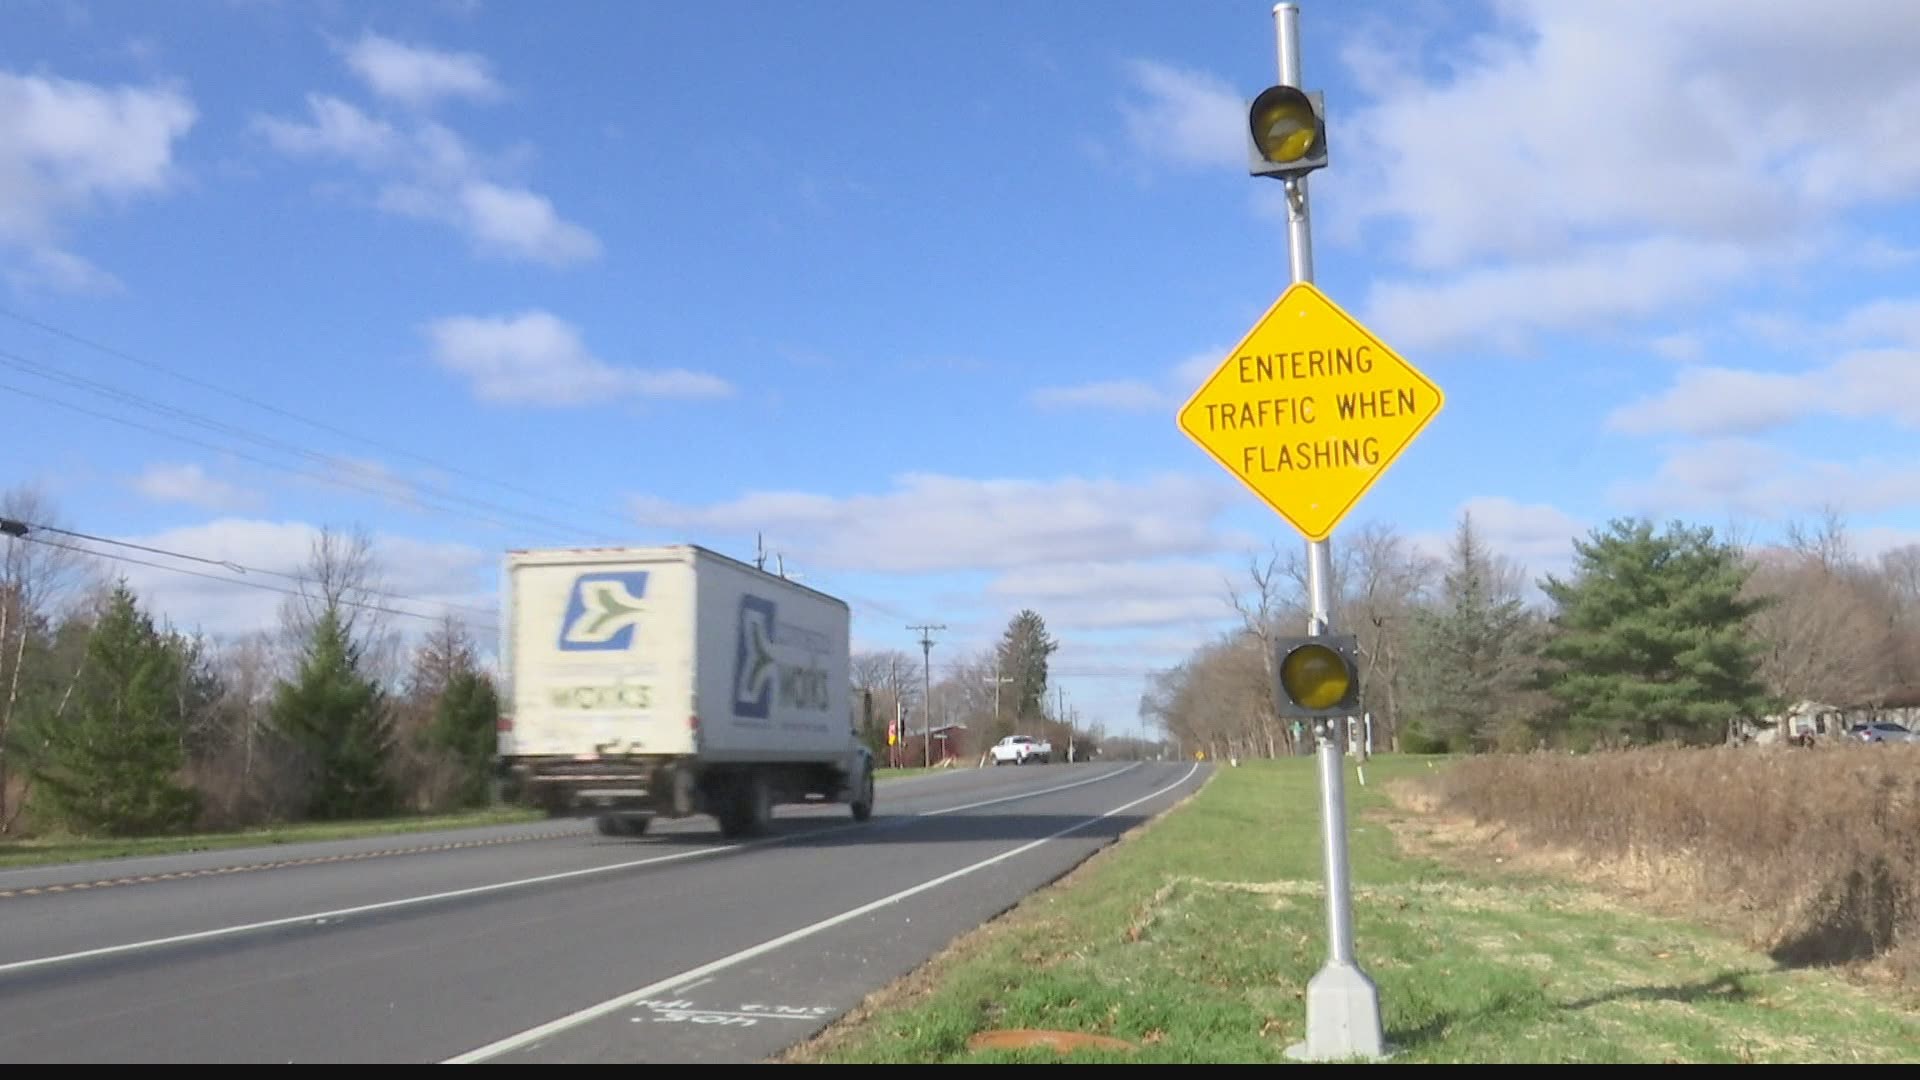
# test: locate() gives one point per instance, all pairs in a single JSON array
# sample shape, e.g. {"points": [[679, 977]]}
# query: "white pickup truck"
{"points": [[1020, 749]]}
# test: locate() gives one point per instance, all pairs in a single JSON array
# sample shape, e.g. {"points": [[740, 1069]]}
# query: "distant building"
{"points": [[949, 743], [1818, 721]]}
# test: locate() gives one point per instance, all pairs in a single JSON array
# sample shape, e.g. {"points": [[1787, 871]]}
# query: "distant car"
{"points": [[1020, 749], [1884, 731]]}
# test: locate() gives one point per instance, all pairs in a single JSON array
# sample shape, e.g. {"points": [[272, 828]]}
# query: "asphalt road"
{"points": [[543, 943]]}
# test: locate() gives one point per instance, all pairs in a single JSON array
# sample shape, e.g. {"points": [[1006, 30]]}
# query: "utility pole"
{"points": [[926, 652], [999, 680], [1343, 1004]]}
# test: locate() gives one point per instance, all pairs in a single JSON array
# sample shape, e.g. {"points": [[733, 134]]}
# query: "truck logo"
{"points": [[602, 611], [753, 665]]}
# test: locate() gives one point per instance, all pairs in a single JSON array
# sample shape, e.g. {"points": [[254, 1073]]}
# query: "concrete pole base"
{"points": [[1343, 1018]]}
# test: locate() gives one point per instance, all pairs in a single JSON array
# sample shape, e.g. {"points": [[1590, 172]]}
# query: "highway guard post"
{"points": [[1308, 411]]}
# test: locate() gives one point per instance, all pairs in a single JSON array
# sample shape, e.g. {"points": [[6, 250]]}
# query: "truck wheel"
{"points": [[622, 824], [863, 802], [749, 807]]}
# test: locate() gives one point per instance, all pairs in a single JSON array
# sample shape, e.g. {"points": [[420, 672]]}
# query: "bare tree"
{"points": [[1899, 576], [341, 573], [892, 678], [1391, 579], [1260, 609], [1825, 541], [36, 581], [1826, 631]]}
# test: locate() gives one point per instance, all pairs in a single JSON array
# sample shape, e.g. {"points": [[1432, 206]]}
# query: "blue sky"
{"points": [[917, 289]]}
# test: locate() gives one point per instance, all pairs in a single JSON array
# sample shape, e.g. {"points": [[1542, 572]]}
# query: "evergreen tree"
{"points": [[1652, 642], [109, 762], [1023, 654], [338, 719], [464, 726], [1474, 654]]}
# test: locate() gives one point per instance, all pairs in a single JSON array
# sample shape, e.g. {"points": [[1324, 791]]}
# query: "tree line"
{"points": [[988, 694], [114, 723], [1670, 634]]}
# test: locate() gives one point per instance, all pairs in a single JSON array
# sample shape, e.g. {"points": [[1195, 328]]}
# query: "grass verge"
{"points": [[883, 775], [42, 851], [1194, 941]]}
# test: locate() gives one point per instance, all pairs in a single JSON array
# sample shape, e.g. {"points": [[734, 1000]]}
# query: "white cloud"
{"points": [[1188, 117], [425, 577], [67, 148], [1121, 395], [1504, 306], [338, 129], [1134, 395], [1883, 321], [521, 223], [1526, 148], [1686, 348], [419, 76], [374, 477], [190, 484], [538, 359], [1530, 532], [510, 222], [1878, 253], [1195, 369], [1752, 478], [1112, 595], [63, 270], [426, 170], [1711, 400], [932, 524], [1583, 167], [1874, 541], [1722, 401], [1537, 536]]}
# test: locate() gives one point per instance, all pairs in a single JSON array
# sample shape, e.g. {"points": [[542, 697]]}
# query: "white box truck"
{"points": [[674, 681]]}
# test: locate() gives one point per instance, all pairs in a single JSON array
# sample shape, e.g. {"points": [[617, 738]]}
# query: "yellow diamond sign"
{"points": [[1310, 409]]}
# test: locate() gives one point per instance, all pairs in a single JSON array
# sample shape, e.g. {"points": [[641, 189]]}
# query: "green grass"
{"points": [[60, 849], [1195, 939]]}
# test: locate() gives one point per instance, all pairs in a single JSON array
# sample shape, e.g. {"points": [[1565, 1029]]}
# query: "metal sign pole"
{"points": [[1343, 1005]]}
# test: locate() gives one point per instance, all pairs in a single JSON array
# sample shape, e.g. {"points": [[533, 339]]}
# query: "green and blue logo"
{"points": [[754, 669], [603, 611]]}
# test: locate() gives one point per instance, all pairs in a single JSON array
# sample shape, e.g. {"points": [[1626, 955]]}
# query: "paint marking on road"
{"points": [[594, 1012], [285, 864], [366, 909], [323, 917], [683, 1011]]}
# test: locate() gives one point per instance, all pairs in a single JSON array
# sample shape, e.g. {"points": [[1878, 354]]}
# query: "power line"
{"points": [[236, 581], [332, 462], [243, 455], [230, 565], [289, 414]]}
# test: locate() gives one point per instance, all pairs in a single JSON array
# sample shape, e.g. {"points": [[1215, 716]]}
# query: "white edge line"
{"points": [[385, 905], [478, 890], [594, 1012]]}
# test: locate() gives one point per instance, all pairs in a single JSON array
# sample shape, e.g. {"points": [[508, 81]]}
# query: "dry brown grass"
{"points": [[1813, 854]]}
